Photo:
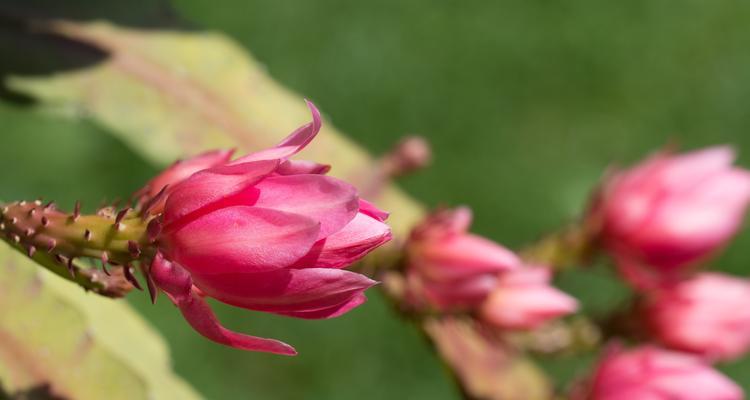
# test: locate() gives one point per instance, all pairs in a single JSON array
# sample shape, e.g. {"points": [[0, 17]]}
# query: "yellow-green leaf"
{"points": [[83, 346]]}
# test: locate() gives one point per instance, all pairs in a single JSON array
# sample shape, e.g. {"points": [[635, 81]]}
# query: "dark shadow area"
{"points": [[26, 50], [38, 392]]}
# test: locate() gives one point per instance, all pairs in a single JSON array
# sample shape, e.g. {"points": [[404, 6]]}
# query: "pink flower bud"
{"points": [[524, 299], [672, 210], [654, 374], [707, 314], [268, 234], [449, 268]]}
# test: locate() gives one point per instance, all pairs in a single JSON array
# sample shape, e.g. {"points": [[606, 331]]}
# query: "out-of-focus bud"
{"points": [[650, 373], [524, 299], [449, 268], [707, 314], [671, 211], [410, 154]]}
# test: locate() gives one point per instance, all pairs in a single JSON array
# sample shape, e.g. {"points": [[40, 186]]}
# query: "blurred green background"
{"points": [[526, 102]]}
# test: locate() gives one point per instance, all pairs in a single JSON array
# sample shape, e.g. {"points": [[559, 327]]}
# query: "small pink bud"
{"points": [[263, 233], [707, 314], [672, 211], [451, 269], [524, 299], [654, 374]]}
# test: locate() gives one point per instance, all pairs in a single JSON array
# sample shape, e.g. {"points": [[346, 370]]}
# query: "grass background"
{"points": [[525, 103]]}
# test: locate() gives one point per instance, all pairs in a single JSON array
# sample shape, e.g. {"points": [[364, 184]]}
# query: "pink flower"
{"points": [[264, 233], [649, 373], [672, 211], [449, 268], [707, 314], [524, 299]]}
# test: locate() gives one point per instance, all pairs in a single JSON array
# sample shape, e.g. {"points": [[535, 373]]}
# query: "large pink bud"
{"points": [[707, 314], [264, 233], [650, 373], [450, 269], [672, 211], [524, 299]]}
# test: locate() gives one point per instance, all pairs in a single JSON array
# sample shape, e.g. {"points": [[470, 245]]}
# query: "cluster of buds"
{"points": [[451, 270], [261, 232], [661, 221]]}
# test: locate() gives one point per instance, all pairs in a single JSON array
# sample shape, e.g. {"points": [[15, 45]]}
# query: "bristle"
{"points": [[29, 232], [105, 261], [87, 235], [128, 271], [51, 245], [134, 249], [71, 267], [30, 251], [77, 211], [45, 221]]}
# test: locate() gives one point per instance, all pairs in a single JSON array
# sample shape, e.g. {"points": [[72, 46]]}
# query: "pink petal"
{"points": [[372, 210], [360, 236], [682, 171], [180, 170], [292, 144], [464, 293], [328, 200], [297, 167], [285, 290], [464, 255], [241, 239], [212, 185], [199, 315], [330, 312]]}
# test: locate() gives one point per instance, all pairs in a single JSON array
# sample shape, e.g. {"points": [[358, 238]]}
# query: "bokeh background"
{"points": [[526, 102]]}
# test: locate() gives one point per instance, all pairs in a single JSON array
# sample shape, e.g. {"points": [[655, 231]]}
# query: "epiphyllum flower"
{"points": [[449, 268], [707, 314], [671, 211], [264, 233], [650, 373]]}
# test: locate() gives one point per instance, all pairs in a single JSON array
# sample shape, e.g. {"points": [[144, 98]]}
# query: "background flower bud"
{"points": [[707, 314], [451, 269], [524, 299], [651, 373], [671, 211]]}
